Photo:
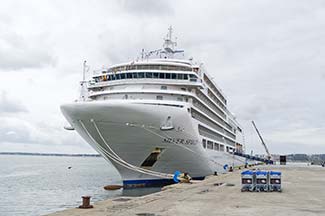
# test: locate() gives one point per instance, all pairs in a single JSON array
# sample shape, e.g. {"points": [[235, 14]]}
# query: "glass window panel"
{"points": [[173, 76], [141, 75], [122, 76], [179, 76], [155, 75], [161, 75], [149, 75], [185, 76], [167, 75], [135, 75], [129, 75]]}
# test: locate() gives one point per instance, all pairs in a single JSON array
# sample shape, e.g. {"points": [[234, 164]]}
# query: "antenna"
{"points": [[142, 54], [84, 71]]}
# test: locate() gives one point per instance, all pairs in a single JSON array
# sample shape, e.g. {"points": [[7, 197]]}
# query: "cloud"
{"points": [[147, 7], [17, 52], [19, 132], [267, 58], [10, 105]]}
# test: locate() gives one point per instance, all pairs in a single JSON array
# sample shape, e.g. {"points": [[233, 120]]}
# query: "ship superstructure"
{"points": [[155, 115]]}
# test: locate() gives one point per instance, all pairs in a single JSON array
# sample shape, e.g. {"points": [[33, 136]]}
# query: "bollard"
{"points": [[86, 202]]}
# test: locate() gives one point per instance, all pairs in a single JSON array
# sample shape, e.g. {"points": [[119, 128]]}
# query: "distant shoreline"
{"points": [[49, 154]]}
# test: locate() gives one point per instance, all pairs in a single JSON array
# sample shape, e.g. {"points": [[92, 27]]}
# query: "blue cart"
{"points": [[275, 181], [261, 181], [248, 180]]}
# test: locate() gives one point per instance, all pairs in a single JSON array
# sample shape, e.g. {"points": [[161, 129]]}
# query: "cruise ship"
{"points": [[155, 115]]}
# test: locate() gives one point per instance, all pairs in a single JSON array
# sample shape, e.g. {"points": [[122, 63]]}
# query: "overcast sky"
{"points": [[267, 56]]}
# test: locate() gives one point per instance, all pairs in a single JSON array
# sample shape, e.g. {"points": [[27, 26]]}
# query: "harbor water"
{"points": [[37, 185]]}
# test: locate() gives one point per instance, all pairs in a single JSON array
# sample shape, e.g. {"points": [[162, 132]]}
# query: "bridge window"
{"points": [[148, 75], [161, 76], [141, 75], [129, 75]]}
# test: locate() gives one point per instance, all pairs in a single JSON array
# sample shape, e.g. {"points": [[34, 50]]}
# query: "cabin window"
{"points": [[155, 75], [159, 97], [183, 89], [167, 75], [163, 87], [141, 75], [135, 75], [113, 77], [180, 76], [204, 143], [173, 76], [179, 99], [149, 75], [161, 75], [129, 75], [185, 77], [123, 76], [216, 146], [193, 78], [118, 76], [222, 147], [210, 145]]}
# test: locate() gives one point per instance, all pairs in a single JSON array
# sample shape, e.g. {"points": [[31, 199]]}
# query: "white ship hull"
{"points": [[157, 115], [131, 129]]}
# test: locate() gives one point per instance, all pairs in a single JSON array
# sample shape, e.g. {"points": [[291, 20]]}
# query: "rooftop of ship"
{"points": [[167, 55]]}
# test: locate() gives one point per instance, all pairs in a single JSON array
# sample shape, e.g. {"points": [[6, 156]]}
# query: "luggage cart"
{"points": [[261, 181], [248, 180], [275, 181]]}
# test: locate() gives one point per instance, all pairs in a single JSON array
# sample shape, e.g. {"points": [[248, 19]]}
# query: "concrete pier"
{"points": [[303, 194]]}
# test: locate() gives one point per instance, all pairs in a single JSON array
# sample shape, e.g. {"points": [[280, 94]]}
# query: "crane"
{"points": [[263, 143]]}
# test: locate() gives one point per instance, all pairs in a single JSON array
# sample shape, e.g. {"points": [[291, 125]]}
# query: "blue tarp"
{"points": [[275, 173], [176, 174], [247, 172], [261, 173]]}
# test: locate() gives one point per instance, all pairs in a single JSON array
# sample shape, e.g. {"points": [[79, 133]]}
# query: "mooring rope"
{"points": [[120, 161], [153, 132]]}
